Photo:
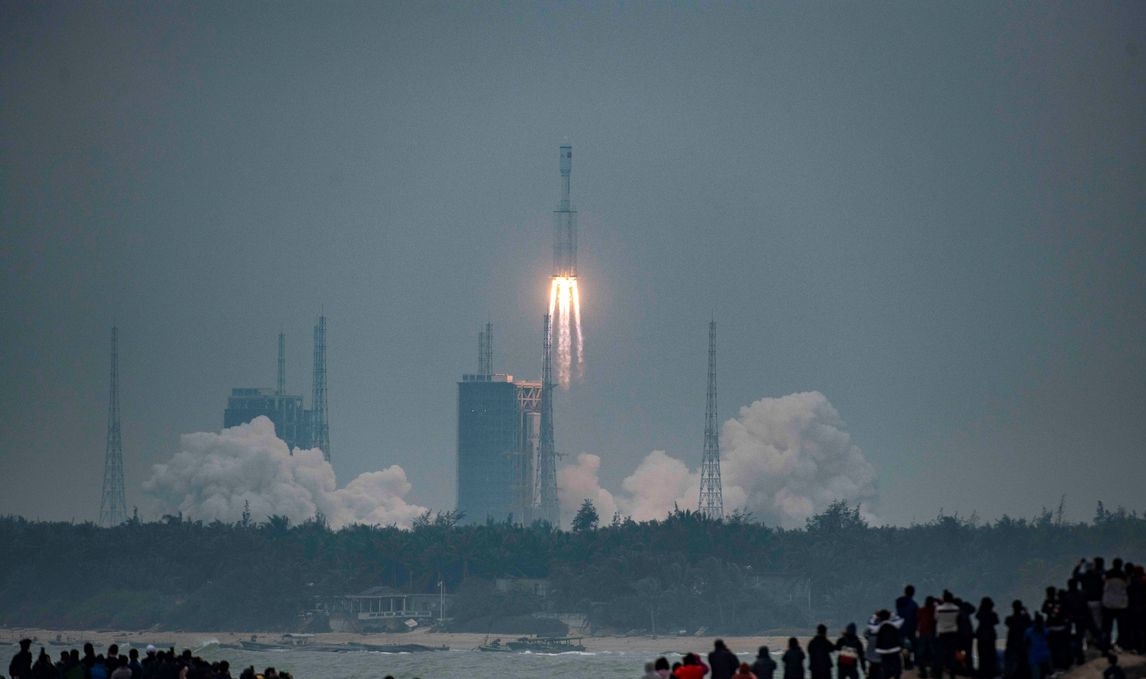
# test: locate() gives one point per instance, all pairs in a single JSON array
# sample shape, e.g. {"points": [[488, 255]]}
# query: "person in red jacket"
{"points": [[692, 668], [925, 656]]}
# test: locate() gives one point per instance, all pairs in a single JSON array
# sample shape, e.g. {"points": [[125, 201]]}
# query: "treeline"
{"points": [[681, 573]]}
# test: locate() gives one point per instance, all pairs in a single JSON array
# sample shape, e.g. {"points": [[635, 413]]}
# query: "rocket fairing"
{"points": [[565, 235]]}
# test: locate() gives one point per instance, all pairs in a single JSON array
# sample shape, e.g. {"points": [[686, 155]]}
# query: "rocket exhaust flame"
{"points": [[565, 329]]}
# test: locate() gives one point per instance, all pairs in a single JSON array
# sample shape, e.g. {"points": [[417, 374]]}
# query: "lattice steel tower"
{"points": [[548, 509], [321, 431], [113, 507], [711, 492]]}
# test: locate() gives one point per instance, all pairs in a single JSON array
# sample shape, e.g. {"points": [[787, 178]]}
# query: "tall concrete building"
{"points": [[498, 442]]}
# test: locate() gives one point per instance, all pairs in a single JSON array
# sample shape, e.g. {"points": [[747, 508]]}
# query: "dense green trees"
{"points": [[684, 572]]}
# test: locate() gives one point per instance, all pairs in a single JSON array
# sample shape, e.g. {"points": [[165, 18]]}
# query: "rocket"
{"points": [[565, 233]]}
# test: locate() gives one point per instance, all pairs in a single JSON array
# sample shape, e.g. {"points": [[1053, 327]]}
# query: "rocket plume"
{"points": [[565, 329]]}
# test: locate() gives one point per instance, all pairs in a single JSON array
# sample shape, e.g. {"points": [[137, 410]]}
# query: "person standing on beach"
{"points": [[986, 639], [1038, 650], [793, 660], [887, 645], [850, 656], [1078, 620], [907, 609], [1090, 577], [820, 654], [692, 668], [20, 666], [764, 667], [1015, 654], [1114, 602], [722, 661], [946, 634], [925, 637], [874, 671]]}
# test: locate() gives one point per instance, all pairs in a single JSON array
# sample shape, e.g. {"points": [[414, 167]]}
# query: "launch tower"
{"points": [[113, 507], [321, 427], [548, 508], [711, 492]]}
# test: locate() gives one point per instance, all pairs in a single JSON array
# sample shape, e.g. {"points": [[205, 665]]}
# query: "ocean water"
{"points": [[457, 664]]}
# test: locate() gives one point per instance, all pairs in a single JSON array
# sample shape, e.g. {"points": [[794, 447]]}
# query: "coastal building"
{"points": [[385, 609]]}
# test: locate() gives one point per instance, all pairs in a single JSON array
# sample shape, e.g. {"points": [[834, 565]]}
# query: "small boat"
{"points": [[494, 646], [546, 644]]}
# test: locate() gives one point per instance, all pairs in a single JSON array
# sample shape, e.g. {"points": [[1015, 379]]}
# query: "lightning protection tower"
{"points": [[113, 507], [711, 492], [321, 429], [485, 351], [548, 509]]}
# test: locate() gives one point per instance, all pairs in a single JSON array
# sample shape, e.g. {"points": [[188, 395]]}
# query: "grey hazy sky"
{"points": [[933, 213]]}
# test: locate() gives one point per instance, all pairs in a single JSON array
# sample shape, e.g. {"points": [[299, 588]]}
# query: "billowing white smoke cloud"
{"points": [[578, 482], [782, 459], [214, 475]]}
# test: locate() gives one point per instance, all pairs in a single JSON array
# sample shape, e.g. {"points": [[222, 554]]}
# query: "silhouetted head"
{"points": [[25, 644], [113, 650], [1017, 606], [929, 601], [883, 614], [762, 652], [1111, 658], [948, 597], [89, 650], [1116, 565], [1038, 621], [719, 644], [122, 661], [1099, 562], [822, 630], [744, 668], [986, 604], [1072, 585], [662, 663], [1050, 593], [793, 643], [851, 628], [689, 659], [677, 665], [909, 590]]}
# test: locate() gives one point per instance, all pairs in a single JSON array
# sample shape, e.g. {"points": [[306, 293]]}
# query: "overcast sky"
{"points": [[932, 213]]}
